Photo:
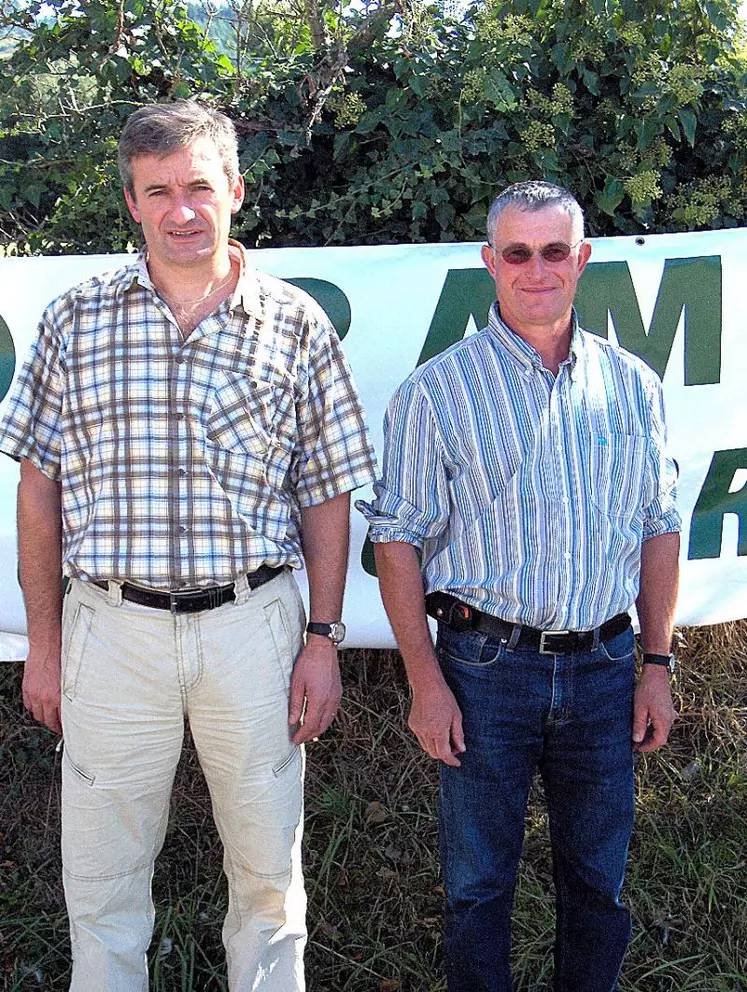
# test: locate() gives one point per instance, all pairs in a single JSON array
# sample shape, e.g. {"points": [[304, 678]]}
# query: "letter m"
{"points": [[689, 284]]}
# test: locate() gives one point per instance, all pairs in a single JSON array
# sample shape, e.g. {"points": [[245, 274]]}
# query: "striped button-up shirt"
{"points": [[529, 494], [186, 463]]}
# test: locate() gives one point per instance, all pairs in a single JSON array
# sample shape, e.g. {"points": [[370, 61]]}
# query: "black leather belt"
{"points": [[459, 616], [195, 600]]}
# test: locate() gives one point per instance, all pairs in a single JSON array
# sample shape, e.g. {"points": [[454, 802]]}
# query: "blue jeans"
{"points": [[570, 716]]}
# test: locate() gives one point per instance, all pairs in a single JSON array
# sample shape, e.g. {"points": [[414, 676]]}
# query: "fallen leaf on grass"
{"points": [[376, 812], [690, 771]]}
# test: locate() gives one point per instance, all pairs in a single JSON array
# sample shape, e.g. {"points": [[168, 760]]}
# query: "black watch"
{"points": [[663, 660], [334, 631]]}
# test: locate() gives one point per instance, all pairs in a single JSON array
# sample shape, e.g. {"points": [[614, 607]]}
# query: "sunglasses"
{"points": [[557, 251]]}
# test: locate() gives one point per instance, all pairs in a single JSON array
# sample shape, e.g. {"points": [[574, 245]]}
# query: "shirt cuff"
{"points": [[384, 528], [668, 523], [323, 490]]}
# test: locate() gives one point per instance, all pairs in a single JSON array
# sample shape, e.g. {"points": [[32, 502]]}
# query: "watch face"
{"points": [[337, 632], [334, 631]]}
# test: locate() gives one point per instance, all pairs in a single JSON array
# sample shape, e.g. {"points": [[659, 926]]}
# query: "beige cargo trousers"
{"points": [[131, 675]]}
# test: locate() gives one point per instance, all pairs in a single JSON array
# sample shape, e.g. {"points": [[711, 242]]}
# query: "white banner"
{"points": [[674, 299]]}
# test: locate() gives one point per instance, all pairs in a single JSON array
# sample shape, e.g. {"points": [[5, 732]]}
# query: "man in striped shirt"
{"points": [[188, 432], [527, 465]]}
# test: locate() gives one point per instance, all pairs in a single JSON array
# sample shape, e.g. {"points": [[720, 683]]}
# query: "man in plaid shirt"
{"points": [[189, 433]]}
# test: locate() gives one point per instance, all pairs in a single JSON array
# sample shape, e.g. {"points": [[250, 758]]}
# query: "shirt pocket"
{"points": [[250, 417], [618, 474]]}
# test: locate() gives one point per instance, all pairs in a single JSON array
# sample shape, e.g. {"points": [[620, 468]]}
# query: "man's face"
{"points": [[184, 203], [538, 294]]}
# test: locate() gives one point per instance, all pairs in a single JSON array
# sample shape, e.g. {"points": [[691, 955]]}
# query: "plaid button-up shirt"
{"points": [[186, 463]]}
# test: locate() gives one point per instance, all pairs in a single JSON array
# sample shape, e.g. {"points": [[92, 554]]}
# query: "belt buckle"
{"points": [[550, 633]]}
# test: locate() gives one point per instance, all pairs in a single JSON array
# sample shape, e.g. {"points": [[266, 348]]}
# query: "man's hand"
{"points": [[41, 686], [653, 710], [40, 561], [316, 681], [436, 721]]}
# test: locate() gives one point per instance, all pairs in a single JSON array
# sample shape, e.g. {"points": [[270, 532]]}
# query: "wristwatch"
{"points": [[334, 631], [664, 660]]}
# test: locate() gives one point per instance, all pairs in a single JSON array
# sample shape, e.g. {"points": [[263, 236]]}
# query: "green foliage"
{"points": [[385, 123]]}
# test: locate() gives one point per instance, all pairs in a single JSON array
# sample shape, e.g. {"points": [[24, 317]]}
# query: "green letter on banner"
{"points": [[466, 293], [7, 359], [714, 502], [692, 284], [330, 298]]}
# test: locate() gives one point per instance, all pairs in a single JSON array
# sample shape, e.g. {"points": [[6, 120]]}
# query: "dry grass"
{"points": [[374, 887]]}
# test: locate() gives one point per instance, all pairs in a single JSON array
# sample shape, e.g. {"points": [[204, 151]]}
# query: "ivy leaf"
{"points": [[33, 193], [688, 120], [611, 196], [342, 145], [368, 122], [498, 91], [591, 80], [417, 85], [673, 127], [646, 129]]}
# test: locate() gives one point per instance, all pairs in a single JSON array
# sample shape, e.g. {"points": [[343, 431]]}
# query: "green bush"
{"points": [[385, 123]]}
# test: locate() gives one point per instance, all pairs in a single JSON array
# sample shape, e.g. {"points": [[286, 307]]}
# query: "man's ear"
{"points": [[132, 206], [584, 253], [488, 257], [238, 195]]}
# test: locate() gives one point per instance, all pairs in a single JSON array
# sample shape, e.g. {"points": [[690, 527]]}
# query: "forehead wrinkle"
{"points": [[535, 227]]}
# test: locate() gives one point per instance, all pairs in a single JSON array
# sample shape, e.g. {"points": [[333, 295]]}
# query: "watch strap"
{"points": [[662, 660], [325, 629], [335, 631]]}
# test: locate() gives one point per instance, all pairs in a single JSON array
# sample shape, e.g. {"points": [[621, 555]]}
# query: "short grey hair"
{"points": [[533, 196], [163, 128]]}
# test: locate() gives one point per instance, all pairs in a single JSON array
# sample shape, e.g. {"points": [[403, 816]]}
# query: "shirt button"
{"points": [[182, 472], [180, 360], [180, 416], [567, 556], [182, 529]]}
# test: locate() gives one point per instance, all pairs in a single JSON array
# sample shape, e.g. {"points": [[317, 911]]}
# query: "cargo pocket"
{"points": [[74, 649], [277, 621], [286, 763]]}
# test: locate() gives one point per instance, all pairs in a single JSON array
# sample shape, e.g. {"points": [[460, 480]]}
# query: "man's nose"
{"points": [[182, 211], [535, 267]]}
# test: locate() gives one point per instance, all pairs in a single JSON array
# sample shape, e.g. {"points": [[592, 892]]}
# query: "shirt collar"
{"points": [[521, 351], [247, 293]]}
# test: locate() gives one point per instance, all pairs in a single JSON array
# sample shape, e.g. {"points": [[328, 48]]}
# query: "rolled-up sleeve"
{"points": [[660, 515], [411, 503]]}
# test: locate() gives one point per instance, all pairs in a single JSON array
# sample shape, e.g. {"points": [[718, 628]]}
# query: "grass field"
{"points": [[375, 896]]}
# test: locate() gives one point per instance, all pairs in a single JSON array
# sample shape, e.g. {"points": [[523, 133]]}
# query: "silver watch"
{"points": [[334, 631]]}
